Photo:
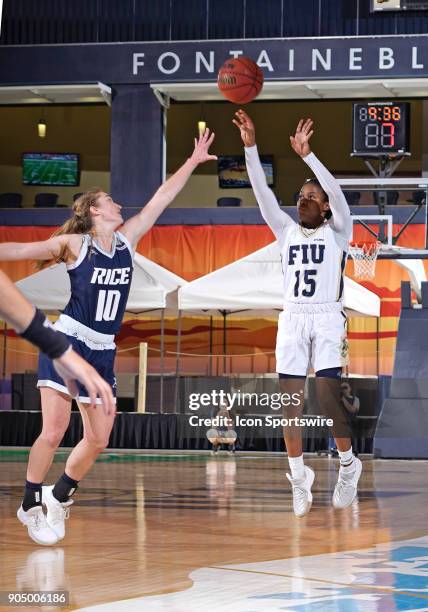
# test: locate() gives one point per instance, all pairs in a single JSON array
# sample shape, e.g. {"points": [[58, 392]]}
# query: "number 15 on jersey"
{"points": [[305, 284]]}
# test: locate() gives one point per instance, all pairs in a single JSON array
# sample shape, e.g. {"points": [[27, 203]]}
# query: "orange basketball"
{"points": [[240, 80]]}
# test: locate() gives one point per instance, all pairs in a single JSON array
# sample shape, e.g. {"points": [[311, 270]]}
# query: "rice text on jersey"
{"points": [[108, 276]]}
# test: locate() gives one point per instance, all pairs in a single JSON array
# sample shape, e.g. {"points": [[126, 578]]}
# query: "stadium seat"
{"points": [[391, 198], [418, 197], [229, 202], [10, 200], [352, 197], [46, 200]]}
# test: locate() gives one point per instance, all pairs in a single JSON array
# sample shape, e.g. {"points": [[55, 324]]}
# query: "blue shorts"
{"points": [[101, 360]]}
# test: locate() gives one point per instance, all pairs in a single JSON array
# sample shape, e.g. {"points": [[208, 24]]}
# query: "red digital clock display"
{"points": [[380, 113], [381, 128]]}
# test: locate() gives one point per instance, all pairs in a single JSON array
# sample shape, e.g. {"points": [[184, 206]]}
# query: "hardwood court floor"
{"points": [[142, 523]]}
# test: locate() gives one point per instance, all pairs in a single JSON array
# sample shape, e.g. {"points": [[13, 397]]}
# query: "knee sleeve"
{"points": [[335, 373], [291, 376]]}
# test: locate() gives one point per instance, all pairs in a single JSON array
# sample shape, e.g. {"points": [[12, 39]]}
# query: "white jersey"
{"points": [[313, 261], [312, 265]]}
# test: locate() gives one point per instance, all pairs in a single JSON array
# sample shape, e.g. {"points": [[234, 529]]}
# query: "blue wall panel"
{"points": [[68, 21], [375, 23], [265, 22], [301, 18], [338, 17], [226, 19], [189, 20], [152, 20], [116, 20], [415, 22]]}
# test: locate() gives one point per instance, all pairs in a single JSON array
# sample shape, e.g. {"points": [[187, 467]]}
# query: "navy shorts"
{"points": [[102, 361]]}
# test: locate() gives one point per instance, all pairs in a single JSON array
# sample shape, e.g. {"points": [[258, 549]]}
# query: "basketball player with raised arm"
{"points": [[99, 261], [312, 326]]}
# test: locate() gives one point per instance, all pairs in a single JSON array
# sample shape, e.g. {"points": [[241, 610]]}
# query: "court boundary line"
{"points": [[202, 453], [359, 587]]}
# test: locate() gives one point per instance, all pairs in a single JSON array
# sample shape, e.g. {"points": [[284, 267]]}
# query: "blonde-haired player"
{"points": [[312, 326], [99, 262]]}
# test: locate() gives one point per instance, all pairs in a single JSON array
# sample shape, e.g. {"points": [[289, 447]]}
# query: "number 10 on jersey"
{"points": [[107, 305]]}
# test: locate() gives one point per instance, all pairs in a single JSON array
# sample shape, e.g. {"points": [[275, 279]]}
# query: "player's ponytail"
{"points": [[80, 223]]}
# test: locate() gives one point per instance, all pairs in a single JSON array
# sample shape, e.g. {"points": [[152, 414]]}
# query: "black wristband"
{"points": [[41, 333]]}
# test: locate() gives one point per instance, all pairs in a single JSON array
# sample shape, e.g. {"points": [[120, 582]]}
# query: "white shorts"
{"points": [[315, 337]]}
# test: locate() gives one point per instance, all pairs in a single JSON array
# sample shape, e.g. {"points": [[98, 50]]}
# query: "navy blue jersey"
{"points": [[100, 284]]}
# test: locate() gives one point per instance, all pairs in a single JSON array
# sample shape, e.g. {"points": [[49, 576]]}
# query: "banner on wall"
{"points": [[193, 61]]}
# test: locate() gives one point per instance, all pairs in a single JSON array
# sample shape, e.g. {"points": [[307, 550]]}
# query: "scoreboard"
{"points": [[381, 128], [399, 5]]}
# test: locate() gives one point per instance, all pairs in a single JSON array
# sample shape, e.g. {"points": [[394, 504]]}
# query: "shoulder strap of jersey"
{"points": [[82, 253], [120, 237]]}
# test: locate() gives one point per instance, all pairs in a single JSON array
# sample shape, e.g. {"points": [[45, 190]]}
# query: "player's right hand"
{"points": [[300, 140], [72, 368], [246, 126]]}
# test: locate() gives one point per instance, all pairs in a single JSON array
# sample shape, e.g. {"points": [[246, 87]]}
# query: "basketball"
{"points": [[240, 80]]}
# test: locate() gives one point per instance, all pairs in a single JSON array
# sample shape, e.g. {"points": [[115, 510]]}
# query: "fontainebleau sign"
{"points": [[192, 61]]}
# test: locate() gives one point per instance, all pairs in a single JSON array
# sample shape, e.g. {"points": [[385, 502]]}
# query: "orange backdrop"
{"points": [[191, 252]]}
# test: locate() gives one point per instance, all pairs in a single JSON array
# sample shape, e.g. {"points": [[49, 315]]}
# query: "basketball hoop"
{"points": [[364, 255]]}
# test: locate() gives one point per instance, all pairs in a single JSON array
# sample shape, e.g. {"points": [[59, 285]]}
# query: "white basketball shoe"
{"points": [[345, 490], [57, 512], [38, 529], [302, 496]]}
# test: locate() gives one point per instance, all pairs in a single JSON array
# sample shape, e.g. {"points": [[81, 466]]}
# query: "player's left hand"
{"points": [[202, 144], [300, 140]]}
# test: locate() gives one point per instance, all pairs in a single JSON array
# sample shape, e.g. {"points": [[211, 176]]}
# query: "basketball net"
{"points": [[364, 255]]}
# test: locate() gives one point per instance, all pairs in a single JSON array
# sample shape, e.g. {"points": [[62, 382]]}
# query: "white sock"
{"points": [[346, 461], [297, 467]]}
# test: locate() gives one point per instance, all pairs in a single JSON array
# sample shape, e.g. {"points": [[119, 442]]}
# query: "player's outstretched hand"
{"points": [[246, 126], [72, 368], [202, 144], [300, 140]]}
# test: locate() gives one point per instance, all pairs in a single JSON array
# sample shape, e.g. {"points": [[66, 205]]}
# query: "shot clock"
{"points": [[381, 128]]}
